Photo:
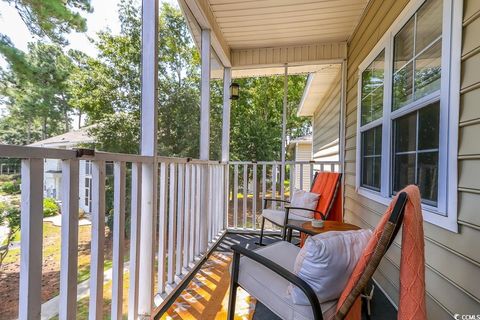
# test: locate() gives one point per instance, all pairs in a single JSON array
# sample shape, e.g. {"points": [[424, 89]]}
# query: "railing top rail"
{"points": [[287, 162], [29, 152]]}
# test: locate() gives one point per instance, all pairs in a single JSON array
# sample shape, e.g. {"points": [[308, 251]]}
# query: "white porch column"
{"points": [[205, 96], [227, 79], [284, 132], [205, 137], [148, 148]]}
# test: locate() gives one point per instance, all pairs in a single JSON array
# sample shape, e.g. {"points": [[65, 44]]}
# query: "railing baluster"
{"points": [[69, 240], [193, 182], [311, 175], [209, 204], [98, 240], [186, 228], [254, 198], [274, 184], [162, 225], [31, 239], [245, 194], [134, 240], [264, 181], [301, 176], [198, 170], [292, 180], [235, 196], [118, 238], [180, 215], [172, 217]]}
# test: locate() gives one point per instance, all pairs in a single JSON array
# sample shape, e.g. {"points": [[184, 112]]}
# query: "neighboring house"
{"points": [[302, 151], [53, 167]]}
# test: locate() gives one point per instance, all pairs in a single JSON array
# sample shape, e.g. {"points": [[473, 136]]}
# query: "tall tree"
{"points": [[52, 18], [37, 101]]}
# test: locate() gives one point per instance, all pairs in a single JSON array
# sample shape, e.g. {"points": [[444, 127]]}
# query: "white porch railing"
{"points": [[250, 182], [183, 236]]}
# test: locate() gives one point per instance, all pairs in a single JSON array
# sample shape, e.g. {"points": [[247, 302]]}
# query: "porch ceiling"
{"points": [[273, 23], [254, 33]]}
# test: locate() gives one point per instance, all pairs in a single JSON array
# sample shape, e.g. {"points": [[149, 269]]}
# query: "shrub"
{"points": [[50, 207], [10, 187]]}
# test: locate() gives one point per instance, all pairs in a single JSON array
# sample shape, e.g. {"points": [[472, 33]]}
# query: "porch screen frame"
{"points": [[444, 214]]}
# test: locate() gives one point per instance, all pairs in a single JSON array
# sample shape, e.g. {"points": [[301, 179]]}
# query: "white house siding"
{"points": [[452, 259], [326, 125], [303, 152]]}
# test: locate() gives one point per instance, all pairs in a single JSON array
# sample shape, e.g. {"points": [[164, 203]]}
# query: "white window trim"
{"points": [[445, 215]]}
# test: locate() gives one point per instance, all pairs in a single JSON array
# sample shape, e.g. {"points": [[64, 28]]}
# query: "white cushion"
{"points": [[278, 216], [326, 261], [304, 199], [271, 289]]}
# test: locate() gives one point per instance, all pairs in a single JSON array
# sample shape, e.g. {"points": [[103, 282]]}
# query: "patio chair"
{"points": [[326, 184], [267, 272]]}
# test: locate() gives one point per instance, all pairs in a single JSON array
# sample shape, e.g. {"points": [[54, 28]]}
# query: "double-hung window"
{"points": [[408, 104]]}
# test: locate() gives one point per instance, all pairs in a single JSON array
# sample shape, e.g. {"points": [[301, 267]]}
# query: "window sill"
{"points": [[430, 214]]}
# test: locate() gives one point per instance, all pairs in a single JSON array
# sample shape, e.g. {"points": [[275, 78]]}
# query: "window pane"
{"points": [[372, 90], [428, 127], [371, 158], [403, 86], [427, 176], [428, 70], [415, 151], [403, 45], [404, 166], [405, 133], [429, 24]]}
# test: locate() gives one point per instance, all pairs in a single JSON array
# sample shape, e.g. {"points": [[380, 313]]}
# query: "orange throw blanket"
{"points": [[412, 261]]}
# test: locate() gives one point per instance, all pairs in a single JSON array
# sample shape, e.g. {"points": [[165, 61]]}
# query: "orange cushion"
{"points": [[325, 184]]}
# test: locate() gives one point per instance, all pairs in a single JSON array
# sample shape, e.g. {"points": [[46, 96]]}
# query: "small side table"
{"points": [[306, 227]]}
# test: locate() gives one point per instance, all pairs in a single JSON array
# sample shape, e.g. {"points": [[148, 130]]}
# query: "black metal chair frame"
{"points": [[396, 217], [288, 208]]}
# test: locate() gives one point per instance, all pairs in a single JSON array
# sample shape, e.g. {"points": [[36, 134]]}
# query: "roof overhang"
{"points": [[318, 85]]}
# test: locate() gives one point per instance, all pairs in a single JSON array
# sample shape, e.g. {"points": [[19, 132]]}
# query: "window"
{"points": [[88, 186], [407, 132]]}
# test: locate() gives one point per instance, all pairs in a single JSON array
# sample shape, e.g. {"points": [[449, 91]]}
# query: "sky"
{"points": [[104, 15]]}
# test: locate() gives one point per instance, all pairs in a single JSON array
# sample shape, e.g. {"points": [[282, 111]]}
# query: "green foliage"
{"points": [[38, 103], [10, 187], [52, 18], [50, 207], [10, 217]]}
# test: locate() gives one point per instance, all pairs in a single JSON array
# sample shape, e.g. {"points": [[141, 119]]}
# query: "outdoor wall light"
{"points": [[234, 91]]}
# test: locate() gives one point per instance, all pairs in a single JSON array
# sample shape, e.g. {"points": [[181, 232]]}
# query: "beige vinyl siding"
{"points": [[303, 152], [453, 260], [326, 125]]}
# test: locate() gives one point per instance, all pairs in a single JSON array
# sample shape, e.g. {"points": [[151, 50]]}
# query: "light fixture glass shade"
{"points": [[234, 91]]}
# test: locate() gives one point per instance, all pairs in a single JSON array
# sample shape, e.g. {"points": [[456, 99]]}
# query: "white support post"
{"points": [[98, 240], [227, 79], [69, 240], [205, 96], [284, 133], [134, 240], [31, 239], [148, 148], [118, 238]]}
